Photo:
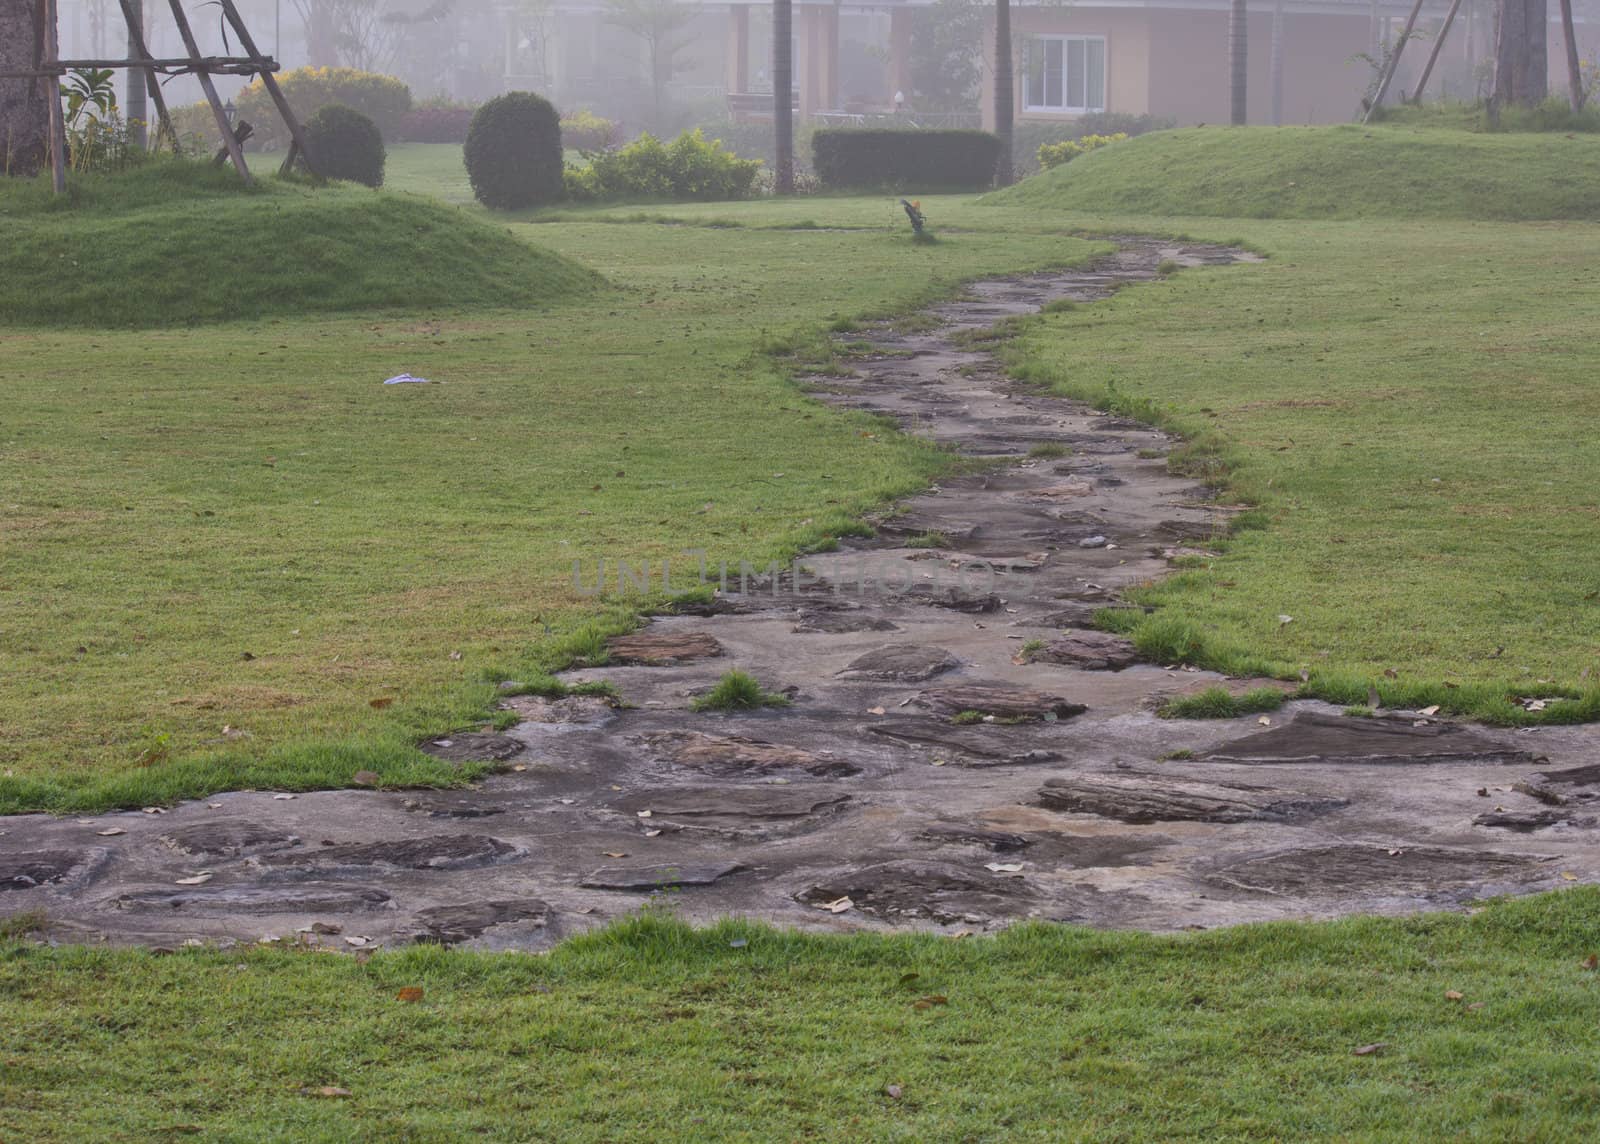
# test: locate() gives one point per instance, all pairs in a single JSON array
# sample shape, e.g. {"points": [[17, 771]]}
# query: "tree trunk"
{"points": [[1238, 54], [1520, 63], [24, 111], [783, 93], [1004, 91], [1574, 71], [1276, 69]]}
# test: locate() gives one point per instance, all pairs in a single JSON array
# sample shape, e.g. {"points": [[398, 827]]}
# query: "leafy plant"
{"points": [[97, 138], [1055, 154], [690, 168], [513, 152], [345, 144], [381, 98]]}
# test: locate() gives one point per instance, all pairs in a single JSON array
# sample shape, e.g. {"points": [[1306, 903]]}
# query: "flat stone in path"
{"points": [[901, 663], [1001, 700], [731, 802], [839, 623], [436, 852], [230, 838], [980, 744], [962, 834], [735, 754], [1312, 736], [662, 877], [923, 891], [473, 747], [1089, 650], [448, 925], [321, 899], [1564, 787], [1157, 798], [662, 649], [64, 868], [1344, 868], [1524, 821]]}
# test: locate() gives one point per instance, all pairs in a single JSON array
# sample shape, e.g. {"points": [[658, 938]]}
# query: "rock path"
{"points": [[926, 773]]}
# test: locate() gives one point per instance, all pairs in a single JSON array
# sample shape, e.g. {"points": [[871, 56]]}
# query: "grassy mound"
{"points": [[181, 243], [1342, 172]]}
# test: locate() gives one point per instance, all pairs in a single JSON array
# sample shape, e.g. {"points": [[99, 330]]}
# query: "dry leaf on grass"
{"points": [[1369, 1050], [410, 994], [930, 1001]]}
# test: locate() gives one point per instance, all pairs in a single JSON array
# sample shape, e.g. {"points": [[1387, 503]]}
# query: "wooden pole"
{"points": [[223, 126], [1275, 64], [271, 84], [1393, 61], [1574, 72], [1433, 56], [134, 16], [52, 92]]}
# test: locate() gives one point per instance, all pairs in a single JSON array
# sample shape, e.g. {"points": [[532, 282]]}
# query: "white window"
{"points": [[1066, 73]]}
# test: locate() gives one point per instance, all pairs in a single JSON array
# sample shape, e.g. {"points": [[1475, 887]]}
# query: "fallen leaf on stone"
{"points": [[411, 994], [1432, 710], [519, 766], [837, 906], [651, 833], [1453, 995], [616, 854], [1003, 867], [930, 1001], [155, 810], [645, 813], [112, 833], [876, 711], [1264, 721], [892, 1091], [1396, 853], [195, 879], [282, 797], [381, 702], [1369, 1050], [84, 821], [357, 941], [1569, 875]]}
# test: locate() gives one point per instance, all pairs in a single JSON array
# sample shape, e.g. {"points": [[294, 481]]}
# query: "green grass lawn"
{"points": [[652, 1031]]}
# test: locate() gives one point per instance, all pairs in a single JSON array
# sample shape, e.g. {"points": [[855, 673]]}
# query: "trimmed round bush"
{"points": [[345, 144], [513, 152]]}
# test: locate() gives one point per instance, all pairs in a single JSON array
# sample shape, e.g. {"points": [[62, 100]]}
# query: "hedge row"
{"points": [[848, 158]]}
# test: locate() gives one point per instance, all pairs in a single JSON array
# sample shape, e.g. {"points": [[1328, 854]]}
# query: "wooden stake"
{"points": [[1394, 61], [52, 92], [1438, 44], [223, 126], [271, 84]]}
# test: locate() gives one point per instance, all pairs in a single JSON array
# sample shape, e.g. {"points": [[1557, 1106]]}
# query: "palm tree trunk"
{"points": [[1574, 71], [24, 112], [1004, 91], [783, 93], [1238, 53]]}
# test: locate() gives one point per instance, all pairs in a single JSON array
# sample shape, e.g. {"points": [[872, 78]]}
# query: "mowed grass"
{"points": [[1414, 409], [1344, 172], [176, 244], [233, 557], [649, 1030]]}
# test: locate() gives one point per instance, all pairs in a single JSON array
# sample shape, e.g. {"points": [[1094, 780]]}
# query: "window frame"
{"points": [[1065, 39]]}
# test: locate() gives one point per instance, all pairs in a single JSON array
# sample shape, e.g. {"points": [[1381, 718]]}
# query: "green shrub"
{"points": [[586, 131], [513, 152], [196, 126], [345, 144], [690, 168], [1055, 154], [1029, 135], [381, 98], [891, 159]]}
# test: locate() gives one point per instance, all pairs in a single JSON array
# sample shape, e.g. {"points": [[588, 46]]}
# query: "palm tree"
{"points": [[1238, 52], [1004, 91], [782, 92]]}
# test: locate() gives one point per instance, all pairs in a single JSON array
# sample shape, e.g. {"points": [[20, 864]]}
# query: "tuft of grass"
{"points": [[1167, 266], [1220, 703], [966, 718], [738, 691], [928, 540], [1048, 451]]}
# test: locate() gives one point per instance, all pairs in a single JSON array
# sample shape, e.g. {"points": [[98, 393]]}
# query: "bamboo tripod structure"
{"points": [[49, 67]]}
